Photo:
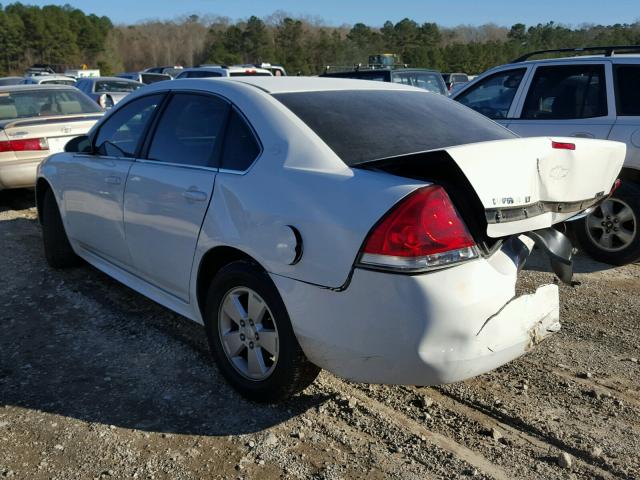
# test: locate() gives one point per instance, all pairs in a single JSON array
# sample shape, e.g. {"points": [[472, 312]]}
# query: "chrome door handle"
{"points": [[113, 179], [194, 195]]}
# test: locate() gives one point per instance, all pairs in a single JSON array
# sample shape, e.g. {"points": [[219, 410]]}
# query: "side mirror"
{"points": [[81, 144]]}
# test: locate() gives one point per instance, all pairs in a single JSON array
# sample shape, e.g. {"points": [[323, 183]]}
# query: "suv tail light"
{"points": [[24, 145], [422, 232]]}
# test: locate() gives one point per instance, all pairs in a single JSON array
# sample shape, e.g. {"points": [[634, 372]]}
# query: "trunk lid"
{"points": [[527, 184], [56, 130]]}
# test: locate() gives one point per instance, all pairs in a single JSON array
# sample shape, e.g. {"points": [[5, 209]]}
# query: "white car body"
{"points": [[153, 226], [18, 165]]}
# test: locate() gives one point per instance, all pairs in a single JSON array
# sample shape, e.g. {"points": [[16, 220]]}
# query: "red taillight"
{"points": [[563, 145], [423, 231], [23, 145]]}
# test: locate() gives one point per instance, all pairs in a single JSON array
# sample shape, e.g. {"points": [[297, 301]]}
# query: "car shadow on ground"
{"points": [[19, 199], [79, 344], [582, 263]]}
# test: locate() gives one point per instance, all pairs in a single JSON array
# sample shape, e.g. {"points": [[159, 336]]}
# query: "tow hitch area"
{"points": [[559, 250]]}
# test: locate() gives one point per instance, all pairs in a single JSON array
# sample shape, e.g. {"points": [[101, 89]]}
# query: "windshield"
{"points": [[115, 86], [429, 81], [365, 125], [44, 102]]}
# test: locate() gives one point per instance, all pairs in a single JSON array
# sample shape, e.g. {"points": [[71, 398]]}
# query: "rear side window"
{"points": [[240, 145], [189, 130], [365, 125], [121, 133], [493, 96], [627, 78], [153, 78], [566, 92]]}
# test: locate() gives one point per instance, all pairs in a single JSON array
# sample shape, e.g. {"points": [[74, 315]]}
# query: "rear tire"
{"points": [[610, 233], [251, 337], [57, 249]]}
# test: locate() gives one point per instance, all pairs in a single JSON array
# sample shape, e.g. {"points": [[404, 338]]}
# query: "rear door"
{"points": [[168, 192], [94, 183], [627, 127], [570, 100]]}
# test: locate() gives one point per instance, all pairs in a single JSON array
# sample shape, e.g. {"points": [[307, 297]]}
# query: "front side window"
{"points": [[122, 132], [431, 82], [627, 79], [44, 103], [566, 92], [240, 145], [189, 130], [494, 95]]}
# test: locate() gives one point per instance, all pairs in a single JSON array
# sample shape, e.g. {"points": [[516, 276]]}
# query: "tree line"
{"points": [[67, 36]]}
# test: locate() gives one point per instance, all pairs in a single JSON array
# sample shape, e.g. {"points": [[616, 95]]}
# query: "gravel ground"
{"points": [[96, 381]]}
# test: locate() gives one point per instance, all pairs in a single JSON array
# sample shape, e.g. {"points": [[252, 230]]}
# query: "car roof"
{"points": [[101, 79], [314, 84], [624, 57], [232, 68], [35, 86]]}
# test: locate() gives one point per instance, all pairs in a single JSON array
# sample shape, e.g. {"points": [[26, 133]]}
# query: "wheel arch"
{"points": [[42, 186], [630, 175], [211, 263]]}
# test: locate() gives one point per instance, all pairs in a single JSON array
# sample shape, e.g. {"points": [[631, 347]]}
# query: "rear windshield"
{"points": [[249, 74], [365, 125], [70, 83], [115, 86], [154, 77], [44, 102]]}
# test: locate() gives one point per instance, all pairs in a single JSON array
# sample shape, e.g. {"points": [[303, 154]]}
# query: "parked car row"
{"points": [[210, 197], [579, 96]]}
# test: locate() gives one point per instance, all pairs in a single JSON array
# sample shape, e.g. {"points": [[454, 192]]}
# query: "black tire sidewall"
{"points": [[57, 249], [629, 192], [246, 274]]}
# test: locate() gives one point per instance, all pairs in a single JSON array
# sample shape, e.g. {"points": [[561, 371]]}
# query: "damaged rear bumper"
{"points": [[427, 329]]}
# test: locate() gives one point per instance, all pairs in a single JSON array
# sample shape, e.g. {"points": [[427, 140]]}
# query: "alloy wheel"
{"points": [[248, 333], [612, 226]]}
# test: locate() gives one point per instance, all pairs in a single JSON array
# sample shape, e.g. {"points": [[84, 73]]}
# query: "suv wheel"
{"points": [[251, 337], [610, 233]]}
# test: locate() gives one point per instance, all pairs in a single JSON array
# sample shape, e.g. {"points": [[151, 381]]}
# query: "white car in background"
{"points": [[36, 121], [594, 96], [107, 91], [49, 80], [211, 71], [372, 229]]}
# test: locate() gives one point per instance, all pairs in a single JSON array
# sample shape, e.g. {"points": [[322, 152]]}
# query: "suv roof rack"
{"points": [[608, 51]]}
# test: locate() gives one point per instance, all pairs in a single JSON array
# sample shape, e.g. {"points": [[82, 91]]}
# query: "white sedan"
{"points": [[370, 229]]}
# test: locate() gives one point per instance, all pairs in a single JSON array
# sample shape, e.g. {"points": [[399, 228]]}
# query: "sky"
{"points": [[374, 12]]}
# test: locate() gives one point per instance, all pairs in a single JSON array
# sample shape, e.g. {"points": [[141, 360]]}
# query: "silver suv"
{"points": [[581, 96]]}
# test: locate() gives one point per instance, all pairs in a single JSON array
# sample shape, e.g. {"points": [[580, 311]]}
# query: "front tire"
{"points": [[57, 249], [251, 337], [610, 233]]}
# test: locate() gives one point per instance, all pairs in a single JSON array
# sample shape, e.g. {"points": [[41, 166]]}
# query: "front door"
{"points": [[94, 183], [168, 192]]}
